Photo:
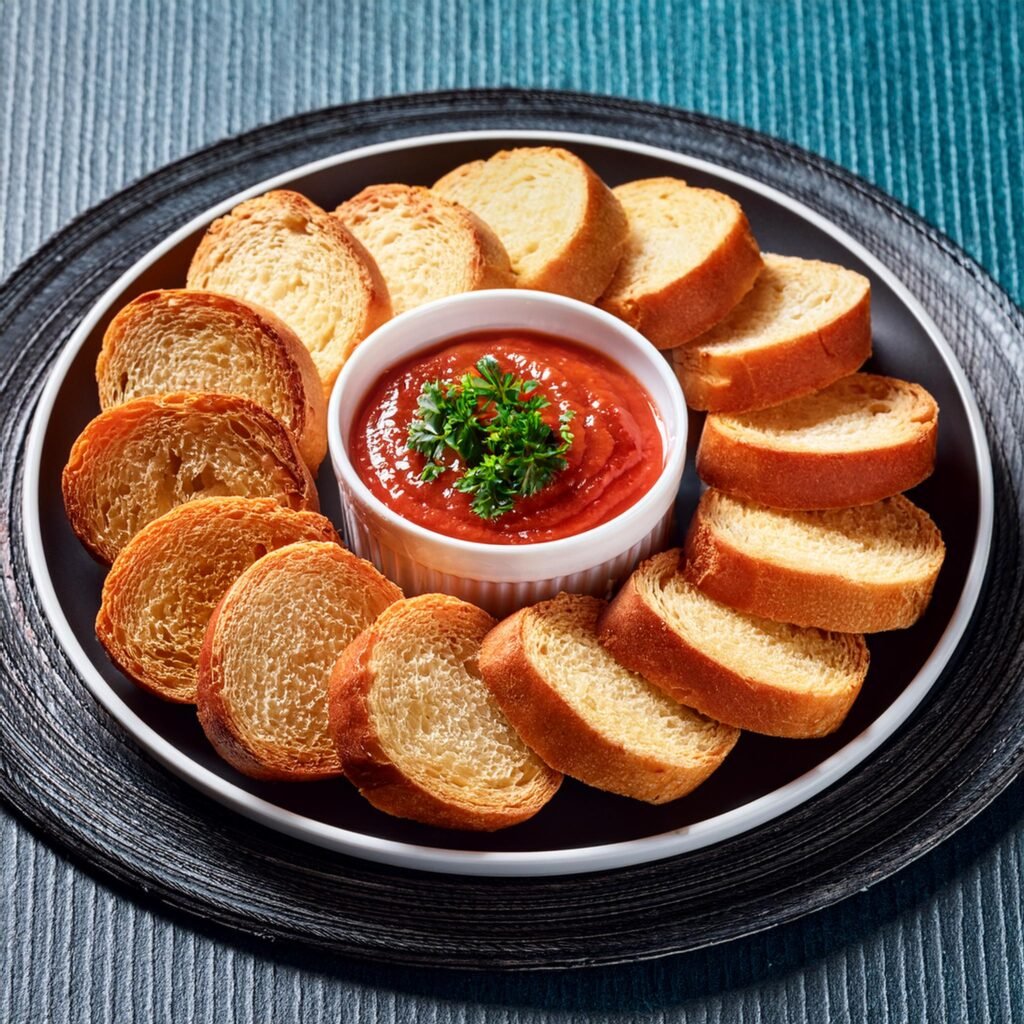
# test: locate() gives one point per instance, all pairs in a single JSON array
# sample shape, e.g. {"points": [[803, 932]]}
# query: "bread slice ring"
{"points": [[269, 650], [753, 673], [562, 227], [139, 460], [589, 716], [282, 251], [690, 257], [802, 326], [861, 439], [164, 585], [178, 339], [855, 570], [417, 729], [427, 247]]}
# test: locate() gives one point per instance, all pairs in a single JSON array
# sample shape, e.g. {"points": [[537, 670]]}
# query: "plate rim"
{"points": [[551, 863]]}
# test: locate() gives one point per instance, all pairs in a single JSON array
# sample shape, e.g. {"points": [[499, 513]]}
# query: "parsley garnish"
{"points": [[493, 423]]}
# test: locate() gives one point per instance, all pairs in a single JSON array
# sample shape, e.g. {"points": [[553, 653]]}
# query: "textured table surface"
{"points": [[924, 100]]}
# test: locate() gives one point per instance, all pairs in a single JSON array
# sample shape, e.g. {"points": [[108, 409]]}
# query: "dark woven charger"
{"points": [[75, 775]]}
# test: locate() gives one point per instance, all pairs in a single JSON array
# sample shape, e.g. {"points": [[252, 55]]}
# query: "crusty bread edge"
{"points": [[548, 724], [805, 480], [367, 765], [491, 266], [642, 641], [127, 564], [764, 376], [216, 717], [587, 264], [99, 431], [302, 380], [378, 301], [785, 594], [685, 308]]}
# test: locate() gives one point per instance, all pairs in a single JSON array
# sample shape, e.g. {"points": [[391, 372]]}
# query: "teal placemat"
{"points": [[924, 100]]}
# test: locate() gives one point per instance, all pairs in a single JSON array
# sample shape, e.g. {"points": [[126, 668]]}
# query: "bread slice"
{"points": [[282, 251], [563, 229], [750, 672], [269, 650], [164, 585], [803, 325], [690, 257], [139, 460], [179, 340], [587, 715], [859, 440], [426, 246], [855, 570], [417, 729]]}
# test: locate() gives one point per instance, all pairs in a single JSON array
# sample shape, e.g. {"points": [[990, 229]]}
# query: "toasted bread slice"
{"points": [[690, 257], [285, 253], [426, 246], [861, 439], [269, 650], [417, 729], [563, 229], [587, 715], [164, 585], [179, 340], [139, 460], [803, 325], [855, 570], [750, 672]]}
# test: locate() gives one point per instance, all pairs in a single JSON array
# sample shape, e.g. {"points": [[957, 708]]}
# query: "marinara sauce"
{"points": [[616, 455]]}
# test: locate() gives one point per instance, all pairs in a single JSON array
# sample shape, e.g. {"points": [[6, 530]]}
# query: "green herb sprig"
{"points": [[491, 420]]}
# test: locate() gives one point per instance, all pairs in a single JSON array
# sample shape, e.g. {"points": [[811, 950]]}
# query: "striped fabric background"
{"points": [[926, 100]]}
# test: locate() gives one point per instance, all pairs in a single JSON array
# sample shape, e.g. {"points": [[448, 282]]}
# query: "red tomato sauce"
{"points": [[615, 457]]}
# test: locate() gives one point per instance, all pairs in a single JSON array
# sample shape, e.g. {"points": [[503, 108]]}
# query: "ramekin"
{"points": [[504, 577]]}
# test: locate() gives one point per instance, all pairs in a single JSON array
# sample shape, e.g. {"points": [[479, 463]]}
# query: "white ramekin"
{"points": [[504, 577]]}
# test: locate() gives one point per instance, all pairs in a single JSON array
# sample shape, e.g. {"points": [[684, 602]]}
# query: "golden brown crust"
{"points": [[806, 480], [642, 641], [300, 387], [369, 767], [819, 599], [485, 256], [373, 293], [760, 377], [548, 724], [216, 720], [586, 266], [99, 453], [217, 716], [169, 549], [690, 305]]}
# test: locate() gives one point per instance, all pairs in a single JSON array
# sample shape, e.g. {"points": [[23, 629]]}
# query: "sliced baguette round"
{"points": [[164, 585], [180, 340], [282, 251], [855, 570], [690, 257], [562, 227], [268, 654], [859, 440], [426, 246], [802, 326], [753, 673], [139, 460], [417, 729], [587, 715]]}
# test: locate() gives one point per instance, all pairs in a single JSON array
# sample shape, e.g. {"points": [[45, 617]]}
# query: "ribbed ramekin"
{"points": [[504, 577]]}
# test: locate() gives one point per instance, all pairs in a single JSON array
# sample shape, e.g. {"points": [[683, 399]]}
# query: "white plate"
{"points": [[613, 832]]}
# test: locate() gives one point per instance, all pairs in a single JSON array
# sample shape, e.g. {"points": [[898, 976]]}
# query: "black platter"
{"points": [[71, 770]]}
